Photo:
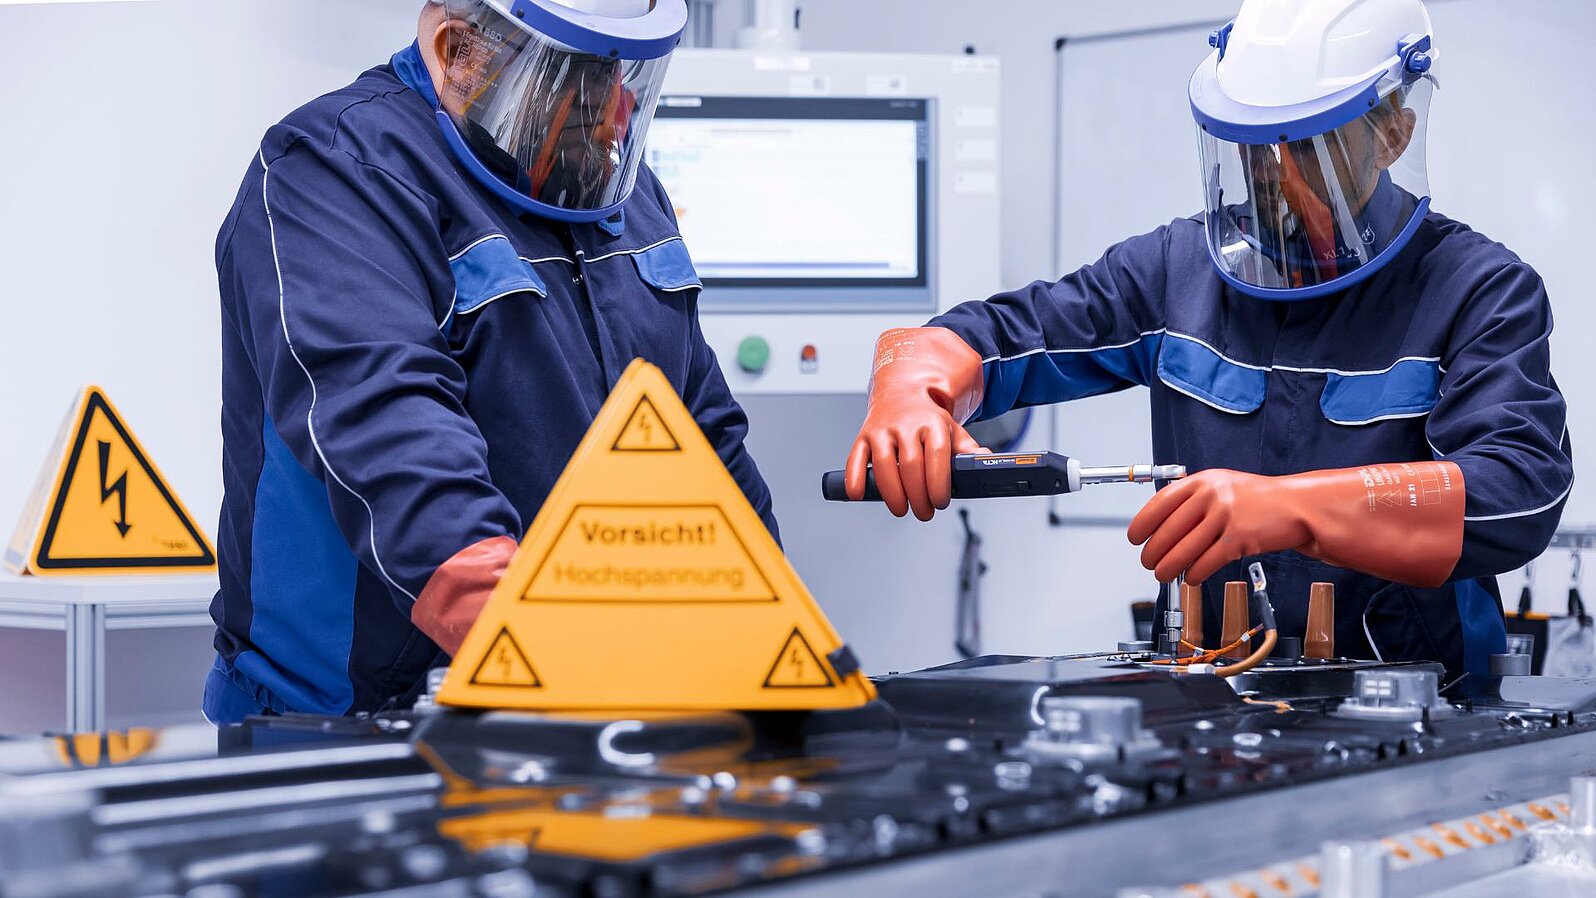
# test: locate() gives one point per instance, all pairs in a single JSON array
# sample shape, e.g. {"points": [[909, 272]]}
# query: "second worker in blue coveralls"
{"points": [[1363, 386], [430, 281]]}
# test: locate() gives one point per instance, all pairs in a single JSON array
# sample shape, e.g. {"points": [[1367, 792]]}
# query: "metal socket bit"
{"points": [[1133, 474]]}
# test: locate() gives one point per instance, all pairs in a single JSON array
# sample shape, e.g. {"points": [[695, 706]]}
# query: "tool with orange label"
{"points": [[1018, 474]]}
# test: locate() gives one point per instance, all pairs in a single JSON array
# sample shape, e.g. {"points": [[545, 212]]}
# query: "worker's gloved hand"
{"points": [[458, 590], [926, 383], [1399, 522]]}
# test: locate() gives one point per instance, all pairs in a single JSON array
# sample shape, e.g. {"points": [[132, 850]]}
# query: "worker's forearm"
{"points": [[1399, 522]]}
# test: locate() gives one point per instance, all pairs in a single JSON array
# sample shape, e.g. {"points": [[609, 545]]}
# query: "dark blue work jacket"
{"points": [[1441, 355], [407, 365]]}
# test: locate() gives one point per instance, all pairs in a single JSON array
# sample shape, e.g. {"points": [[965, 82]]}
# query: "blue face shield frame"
{"points": [[1309, 200], [549, 108]]}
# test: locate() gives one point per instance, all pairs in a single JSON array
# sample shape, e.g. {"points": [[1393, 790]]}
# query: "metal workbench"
{"points": [[85, 608]]}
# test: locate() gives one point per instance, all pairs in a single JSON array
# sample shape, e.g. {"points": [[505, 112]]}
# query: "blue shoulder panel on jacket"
{"points": [[491, 269], [1199, 371], [1408, 390], [303, 585], [1040, 378], [667, 267]]}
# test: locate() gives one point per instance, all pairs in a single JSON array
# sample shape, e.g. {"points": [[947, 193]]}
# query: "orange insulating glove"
{"points": [[458, 590], [1399, 522], [926, 383]]}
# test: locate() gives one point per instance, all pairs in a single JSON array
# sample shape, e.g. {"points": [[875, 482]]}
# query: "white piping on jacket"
{"points": [[310, 415]]}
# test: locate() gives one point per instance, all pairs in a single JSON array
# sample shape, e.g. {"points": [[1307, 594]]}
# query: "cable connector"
{"points": [[1260, 591]]}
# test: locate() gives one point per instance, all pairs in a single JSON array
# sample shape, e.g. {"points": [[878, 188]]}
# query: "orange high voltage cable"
{"points": [[1208, 656], [1260, 589]]}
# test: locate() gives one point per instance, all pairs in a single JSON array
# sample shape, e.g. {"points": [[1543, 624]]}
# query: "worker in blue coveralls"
{"points": [[430, 281], [1361, 385]]}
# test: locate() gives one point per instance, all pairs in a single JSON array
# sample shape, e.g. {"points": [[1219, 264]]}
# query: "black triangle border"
{"points": [[676, 445], [798, 635], [41, 557], [504, 633]]}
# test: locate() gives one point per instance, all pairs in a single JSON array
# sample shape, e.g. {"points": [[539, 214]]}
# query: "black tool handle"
{"points": [[980, 477], [832, 486]]}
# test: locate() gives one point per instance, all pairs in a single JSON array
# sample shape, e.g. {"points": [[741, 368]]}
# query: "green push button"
{"points": [[753, 354]]}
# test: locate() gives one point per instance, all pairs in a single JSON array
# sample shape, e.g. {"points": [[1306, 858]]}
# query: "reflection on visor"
{"points": [[557, 125], [1304, 213]]}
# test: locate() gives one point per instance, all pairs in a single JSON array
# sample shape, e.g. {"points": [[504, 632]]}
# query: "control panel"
{"points": [[827, 197]]}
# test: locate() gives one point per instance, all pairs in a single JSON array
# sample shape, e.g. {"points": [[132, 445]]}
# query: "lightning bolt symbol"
{"points": [[647, 423], [118, 489], [504, 661], [797, 662]]}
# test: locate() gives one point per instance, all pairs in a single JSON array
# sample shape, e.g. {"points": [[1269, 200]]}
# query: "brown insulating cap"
{"points": [[1191, 605], [1320, 640], [1237, 620]]}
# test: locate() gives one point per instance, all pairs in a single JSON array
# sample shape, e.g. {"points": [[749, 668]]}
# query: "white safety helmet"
{"points": [[548, 102], [1312, 117]]}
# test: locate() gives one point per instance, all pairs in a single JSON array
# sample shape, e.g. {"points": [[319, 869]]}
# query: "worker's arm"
{"points": [[726, 425], [358, 379], [1095, 331], [1488, 503], [707, 395], [1399, 522], [1503, 422]]}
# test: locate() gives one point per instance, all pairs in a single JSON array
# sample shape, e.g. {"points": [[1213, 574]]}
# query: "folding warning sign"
{"points": [[647, 582], [102, 507]]}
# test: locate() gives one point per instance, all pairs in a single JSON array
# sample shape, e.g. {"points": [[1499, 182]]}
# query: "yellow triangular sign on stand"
{"points": [[102, 507], [647, 582]]}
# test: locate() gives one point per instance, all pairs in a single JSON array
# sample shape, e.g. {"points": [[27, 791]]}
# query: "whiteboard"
{"points": [[1510, 154]]}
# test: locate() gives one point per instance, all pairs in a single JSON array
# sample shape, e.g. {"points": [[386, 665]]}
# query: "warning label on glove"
{"points": [[643, 553]]}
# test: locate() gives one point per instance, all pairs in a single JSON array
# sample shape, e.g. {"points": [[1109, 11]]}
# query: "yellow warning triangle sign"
{"points": [[647, 582], [101, 506]]}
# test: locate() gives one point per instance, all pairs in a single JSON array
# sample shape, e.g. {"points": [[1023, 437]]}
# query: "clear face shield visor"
{"points": [[560, 127], [1311, 213]]}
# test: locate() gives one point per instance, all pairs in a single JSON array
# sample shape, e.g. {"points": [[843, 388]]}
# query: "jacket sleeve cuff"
{"points": [[458, 590]]}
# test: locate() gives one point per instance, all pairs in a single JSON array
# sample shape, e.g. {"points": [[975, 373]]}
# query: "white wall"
{"points": [[1021, 33], [125, 129]]}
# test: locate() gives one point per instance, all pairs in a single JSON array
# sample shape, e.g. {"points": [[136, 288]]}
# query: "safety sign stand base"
{"points": [[101, 506], [649, 583]]}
